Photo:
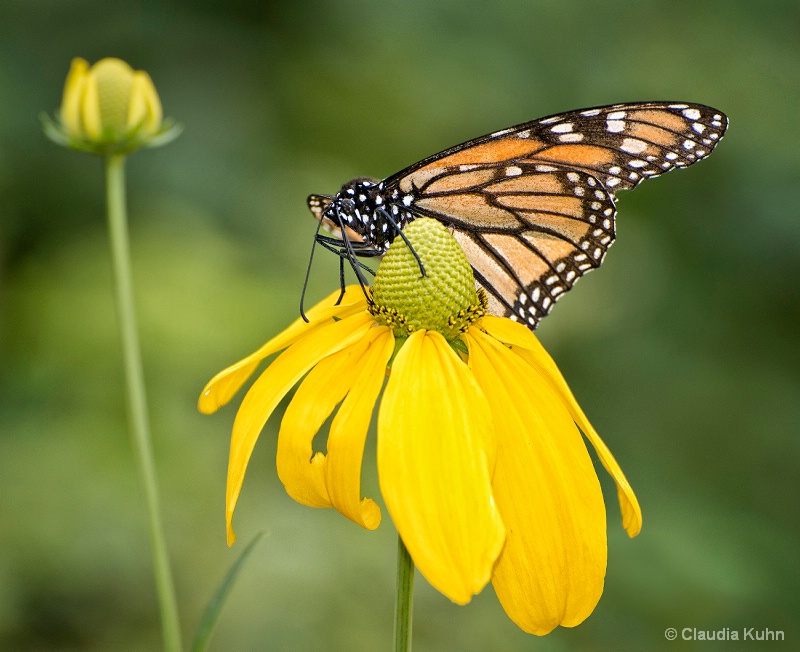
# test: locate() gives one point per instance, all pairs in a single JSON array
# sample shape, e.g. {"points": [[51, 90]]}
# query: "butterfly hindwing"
{"points": [[317, 204]]}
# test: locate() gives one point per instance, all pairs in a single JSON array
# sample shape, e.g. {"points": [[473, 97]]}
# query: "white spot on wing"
{"points": [[615, 126], [563, 128], [571, 138], [633, 146], [513, 171], [692, 114]]}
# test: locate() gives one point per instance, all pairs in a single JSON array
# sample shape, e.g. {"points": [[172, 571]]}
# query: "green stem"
{"points": [[137, 402], [404, 602]]}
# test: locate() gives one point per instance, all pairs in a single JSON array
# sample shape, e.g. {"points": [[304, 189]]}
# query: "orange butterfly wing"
{"points": [[533, 205]]}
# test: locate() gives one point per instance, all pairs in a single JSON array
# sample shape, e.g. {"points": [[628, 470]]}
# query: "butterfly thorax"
{"points": [[364, 206]]}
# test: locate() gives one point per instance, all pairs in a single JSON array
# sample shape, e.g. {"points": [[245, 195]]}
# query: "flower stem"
{"points": [[137, 402], [405, 598]]}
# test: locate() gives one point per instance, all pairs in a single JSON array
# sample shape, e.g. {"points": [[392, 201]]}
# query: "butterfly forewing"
{"points": [[533, 205], [621, 144]]}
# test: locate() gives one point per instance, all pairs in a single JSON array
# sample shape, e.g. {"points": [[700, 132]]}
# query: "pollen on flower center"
{"points": [[444, 300]]}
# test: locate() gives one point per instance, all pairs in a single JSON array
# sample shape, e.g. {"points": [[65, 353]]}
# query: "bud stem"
{"points": [[136, 398]]}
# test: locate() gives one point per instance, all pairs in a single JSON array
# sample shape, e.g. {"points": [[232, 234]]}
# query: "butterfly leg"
{"points": [[337, 246], [341, 281], [385, 214]]}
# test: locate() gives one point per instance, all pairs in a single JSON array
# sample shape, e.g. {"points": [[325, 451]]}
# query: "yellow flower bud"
{"points": [[109, 107]]}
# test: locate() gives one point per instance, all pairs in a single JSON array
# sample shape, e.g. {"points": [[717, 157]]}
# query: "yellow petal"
{"points": [[272, 385], [73, 93], [144, 110], [221, 388], [301, 471], [552, 567], [435, 459], [537, 356], [114, 81], [91, 121], [349, 431]]}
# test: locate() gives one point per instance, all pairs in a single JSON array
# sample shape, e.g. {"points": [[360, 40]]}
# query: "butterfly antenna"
{"points": [[399, 232], [308, 273]]}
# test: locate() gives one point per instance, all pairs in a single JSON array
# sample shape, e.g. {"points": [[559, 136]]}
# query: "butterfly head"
{"points": [[353, 209], [361, 213]]}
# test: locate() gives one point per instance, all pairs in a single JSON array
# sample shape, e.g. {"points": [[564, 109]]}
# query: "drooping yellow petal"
{"points": [[435, 460], [272, 385], [73, 94], [301, 471], [529, 347], [221, 388], [349, 431], [551, 569]]}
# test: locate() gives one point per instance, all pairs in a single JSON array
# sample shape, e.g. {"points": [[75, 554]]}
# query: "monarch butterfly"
{"points": [[533, 206]]}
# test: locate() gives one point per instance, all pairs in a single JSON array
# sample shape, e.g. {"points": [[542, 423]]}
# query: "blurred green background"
{"points": [[683, 350]]}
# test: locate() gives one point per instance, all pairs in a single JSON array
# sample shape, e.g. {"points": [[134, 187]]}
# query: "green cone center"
{"points": [[444, 299]]}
